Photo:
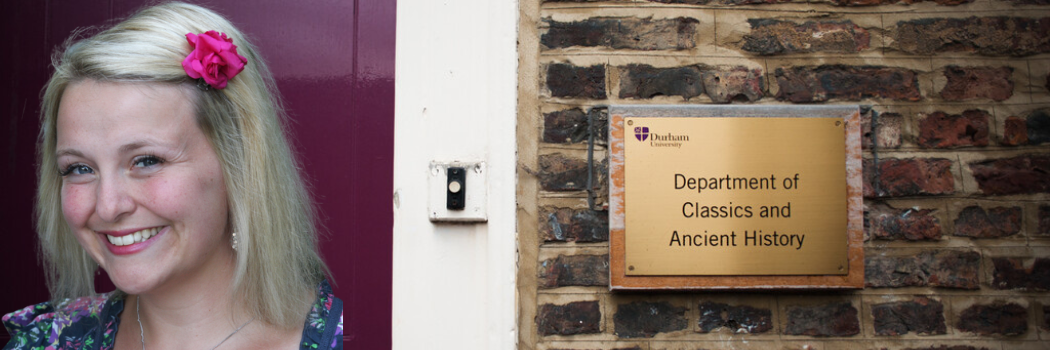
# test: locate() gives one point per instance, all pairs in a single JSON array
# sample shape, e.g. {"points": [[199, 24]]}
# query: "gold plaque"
{"points": [[734, 196]]}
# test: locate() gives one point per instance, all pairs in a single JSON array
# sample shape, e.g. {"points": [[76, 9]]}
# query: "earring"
{"points": [[234, 241]]}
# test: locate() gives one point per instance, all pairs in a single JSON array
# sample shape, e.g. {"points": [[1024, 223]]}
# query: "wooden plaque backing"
{"points": [[854, 279]]}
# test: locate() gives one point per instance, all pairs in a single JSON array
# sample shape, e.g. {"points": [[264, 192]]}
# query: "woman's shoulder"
{"points": [[41, 324], [324, 324]]}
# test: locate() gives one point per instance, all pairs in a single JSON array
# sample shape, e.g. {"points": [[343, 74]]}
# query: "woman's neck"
{"points": [[195, 311]]}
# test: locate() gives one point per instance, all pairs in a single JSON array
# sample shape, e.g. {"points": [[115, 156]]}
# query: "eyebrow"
{"points": [[69, 152], [134, 146], [123, 149]]}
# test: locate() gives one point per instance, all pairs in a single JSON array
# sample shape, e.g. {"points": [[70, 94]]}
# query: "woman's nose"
{"points": [[113, 201]]}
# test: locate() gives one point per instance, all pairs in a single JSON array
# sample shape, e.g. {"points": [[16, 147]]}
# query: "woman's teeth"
{"points": [[133, 238]]}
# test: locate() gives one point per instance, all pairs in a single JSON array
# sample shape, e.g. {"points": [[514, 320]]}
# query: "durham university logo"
{"points": [[641, 132]]}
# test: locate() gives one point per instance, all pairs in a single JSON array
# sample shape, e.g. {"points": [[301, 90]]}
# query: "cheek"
{"points": [[195, 201], [77, 204]]}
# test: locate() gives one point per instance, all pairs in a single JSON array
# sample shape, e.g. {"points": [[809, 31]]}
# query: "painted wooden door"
{"points": [[334, 65]]}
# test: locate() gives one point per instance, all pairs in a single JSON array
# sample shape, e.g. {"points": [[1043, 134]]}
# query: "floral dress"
{"points": [[91, 323]]}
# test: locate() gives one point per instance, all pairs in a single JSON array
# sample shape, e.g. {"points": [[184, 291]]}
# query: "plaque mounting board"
{"points": [[735, 197]]}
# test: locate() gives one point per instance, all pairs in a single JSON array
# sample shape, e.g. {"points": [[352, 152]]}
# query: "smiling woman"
{"points": [[164, 162]]}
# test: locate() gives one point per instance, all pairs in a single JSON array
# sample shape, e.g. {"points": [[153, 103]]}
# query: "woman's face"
{"points": [[142, 188]]}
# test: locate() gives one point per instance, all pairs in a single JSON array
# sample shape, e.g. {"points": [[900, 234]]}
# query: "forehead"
{"points": [[107, 111]]}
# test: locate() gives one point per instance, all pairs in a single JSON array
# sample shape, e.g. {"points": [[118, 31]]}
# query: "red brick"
{"points": [[911, 224], [908, 177], [971, 83], [773, 37], [623, 33], [920, 315], [830, 320], [804, 84], [994, 319], [581, 317], [1011, 273], [942, 130], [574, 270], [575, 225], [991, 36], [645, 319], [933, 268], [642, 81], [888, 130], [565, 80], [1027, 174], [976, 222], [727, 84], [1015, 133], [736, 318]]}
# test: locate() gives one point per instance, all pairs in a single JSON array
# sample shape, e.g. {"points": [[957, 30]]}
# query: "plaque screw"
{"points": [[631, 267], [630, 122], [837, 123]]}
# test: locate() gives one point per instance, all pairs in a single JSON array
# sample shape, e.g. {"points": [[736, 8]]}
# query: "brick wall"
{"points": [[957, 166]]}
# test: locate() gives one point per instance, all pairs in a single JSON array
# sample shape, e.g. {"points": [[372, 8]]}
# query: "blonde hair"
{"points": [[278, 265]]}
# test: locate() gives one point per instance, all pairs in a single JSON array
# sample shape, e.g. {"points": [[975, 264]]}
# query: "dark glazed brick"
{"points": [[575, 225], [689, 2], [581, 317], [945, 347], [908, 177], [639, 81], [1027, 174], [574, 270], [561, 173], [569, 81], [630, 348], [773, 37], [1038, 126], [1046, 318], [944, 268], [623, 33], [737, 318], [727, 84], [831, 320], [977, 222], [1015, 132], [921, 315], [887, 223], [1010, 273], [570, 125], [807, 84], [1044, 221], [642, 319], [970, 83], [942, 130], [888, 130], [994, 319], [992, 36], [890, 2]]}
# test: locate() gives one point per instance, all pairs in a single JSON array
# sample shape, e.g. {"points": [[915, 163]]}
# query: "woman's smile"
{"points": [[130, 241]]}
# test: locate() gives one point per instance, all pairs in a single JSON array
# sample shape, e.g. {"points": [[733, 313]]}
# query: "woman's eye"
{"points": [[147, 161], [77, 169]]}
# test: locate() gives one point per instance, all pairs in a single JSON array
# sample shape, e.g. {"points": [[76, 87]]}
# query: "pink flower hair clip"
{"points": [[214, 58]]}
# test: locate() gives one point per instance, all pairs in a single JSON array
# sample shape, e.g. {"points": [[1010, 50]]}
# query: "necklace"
{"points": [[142, 333]]}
